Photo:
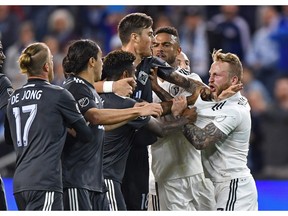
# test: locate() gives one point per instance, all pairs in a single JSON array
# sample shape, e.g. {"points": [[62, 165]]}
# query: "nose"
{"points": [[210, 79], [2, 56]]}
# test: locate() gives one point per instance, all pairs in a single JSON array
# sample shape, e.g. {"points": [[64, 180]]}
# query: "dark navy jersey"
{"points": [[5, 91], [118, 142], [38, 114], [83, 163], [144, 89]]}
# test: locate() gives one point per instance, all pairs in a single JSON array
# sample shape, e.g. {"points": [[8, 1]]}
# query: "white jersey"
{"points": [[173, 156], [227, 160]]}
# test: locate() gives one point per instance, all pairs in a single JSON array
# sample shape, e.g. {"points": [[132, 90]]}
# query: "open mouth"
{"points": [[160, 55], [212, 88]]}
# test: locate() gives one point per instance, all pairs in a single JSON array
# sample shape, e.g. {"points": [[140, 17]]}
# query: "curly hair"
{"points": [[115, 63]]}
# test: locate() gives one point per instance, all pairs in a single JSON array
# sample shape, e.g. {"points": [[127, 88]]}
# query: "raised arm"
{"points": [[122, 87], [114, 116]]}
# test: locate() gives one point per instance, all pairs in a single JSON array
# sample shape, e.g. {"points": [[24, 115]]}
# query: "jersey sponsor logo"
{"points": [[220, 118], [174, 90], [218, 106], [143, 77], [83, 102], [242, 101], [10, 91]]}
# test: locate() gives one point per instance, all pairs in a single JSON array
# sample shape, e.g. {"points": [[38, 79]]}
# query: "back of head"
{"points": [[233, 60], [133, 23], [33, 58], [115, 63], [78, 55]]}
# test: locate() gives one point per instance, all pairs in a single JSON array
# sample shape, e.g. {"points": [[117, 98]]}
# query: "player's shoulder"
{"points": [[238, 103], [112, 100]]}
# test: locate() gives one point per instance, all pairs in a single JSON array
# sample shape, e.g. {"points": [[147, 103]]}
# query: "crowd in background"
{"points": [[257, 34]]}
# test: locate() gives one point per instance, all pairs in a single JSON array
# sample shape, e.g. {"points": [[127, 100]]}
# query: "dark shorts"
{"points": [[39, 200], [135, 184], [76, 199], [115, 196]]}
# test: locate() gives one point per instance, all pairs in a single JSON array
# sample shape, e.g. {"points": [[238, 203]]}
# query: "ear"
{"points": [[46, 67], [134, 37], [91, 61], [124, 74], [179, 50], [235, 80]]}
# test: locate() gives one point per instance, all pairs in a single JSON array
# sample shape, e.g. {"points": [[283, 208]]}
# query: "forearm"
{"points": [[83, 132], [99, 86], [185, 82], [111, 116], [114, 126], [161, 127], [202, 138]]}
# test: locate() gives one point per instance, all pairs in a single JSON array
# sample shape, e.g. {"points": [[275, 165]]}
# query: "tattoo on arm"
{"points": [[202, 138]]}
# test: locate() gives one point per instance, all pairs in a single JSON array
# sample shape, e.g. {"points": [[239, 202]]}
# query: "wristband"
{"points": [[108, 86]]}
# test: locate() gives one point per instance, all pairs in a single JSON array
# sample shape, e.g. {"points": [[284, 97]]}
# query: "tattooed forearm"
{"points": [[202, 138]]}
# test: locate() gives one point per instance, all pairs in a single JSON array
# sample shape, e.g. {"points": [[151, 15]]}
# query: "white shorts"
{"points": [[193, 193], [236, 195]]}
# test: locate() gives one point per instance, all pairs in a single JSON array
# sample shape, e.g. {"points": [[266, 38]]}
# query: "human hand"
{"points": [[140, 104], [229, 92], [153, 78], [206, 93], [124, 87], [190, 114], [154, 109], [178, 106]]}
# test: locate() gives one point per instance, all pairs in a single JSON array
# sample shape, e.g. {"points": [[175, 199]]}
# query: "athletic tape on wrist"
{"points": [[108, 86]]}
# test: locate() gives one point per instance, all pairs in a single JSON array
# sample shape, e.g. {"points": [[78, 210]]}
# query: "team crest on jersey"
{"points": [[174, 90], [143, 77], [83, 102], [10, 91]]}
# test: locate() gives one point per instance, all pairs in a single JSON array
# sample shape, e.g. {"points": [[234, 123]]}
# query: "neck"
{"points": [[86, 76], [43, 77], [131, 48]]}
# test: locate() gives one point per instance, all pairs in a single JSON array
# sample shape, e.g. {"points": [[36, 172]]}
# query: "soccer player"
{"points": [[176, 164], [222, 133], [183, 63], [6, 90], [118, 142], [84, 187], [38, 116]]}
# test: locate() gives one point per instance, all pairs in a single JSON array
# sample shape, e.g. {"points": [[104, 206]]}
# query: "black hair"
{"points": [[79, 53], [115, 63], [168, 30]]}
